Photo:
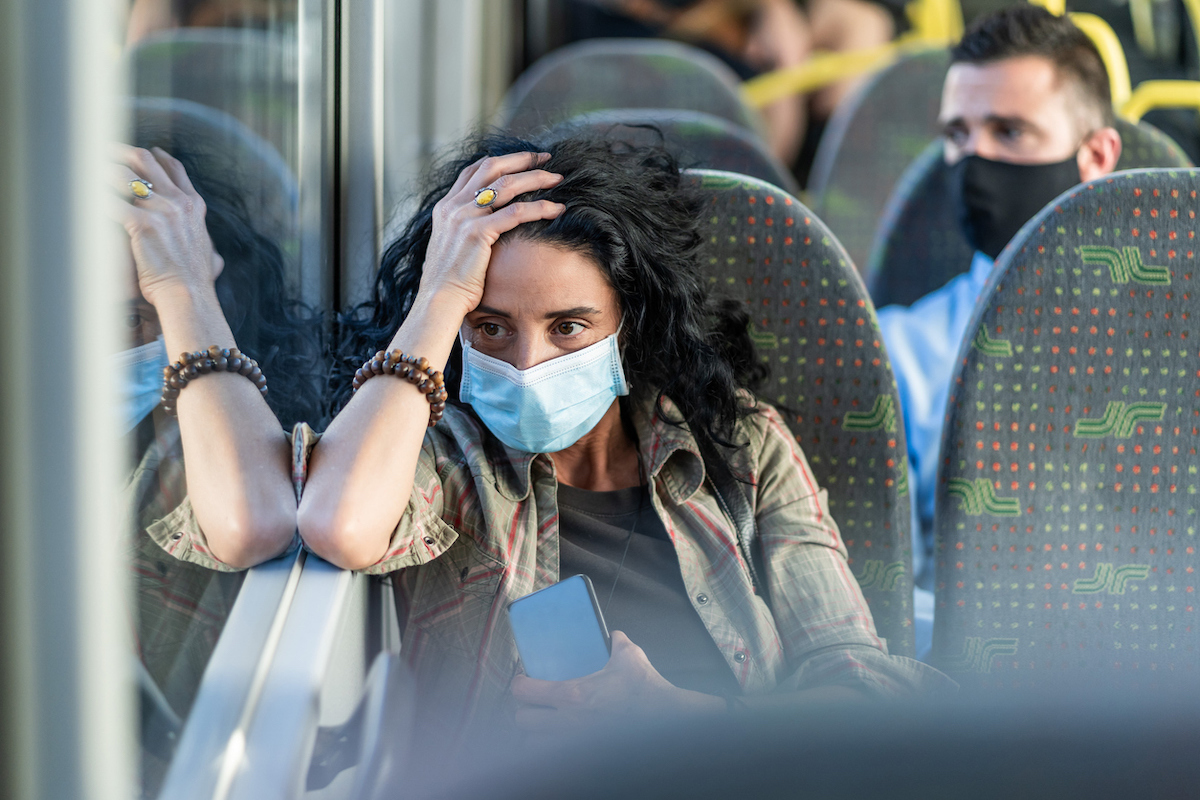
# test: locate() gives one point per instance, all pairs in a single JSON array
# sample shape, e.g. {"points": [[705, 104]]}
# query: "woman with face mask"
{"points": [[587, 373]]}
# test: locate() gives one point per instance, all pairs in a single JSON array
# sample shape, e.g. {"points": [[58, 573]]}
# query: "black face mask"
{"points": [[993, 199]]}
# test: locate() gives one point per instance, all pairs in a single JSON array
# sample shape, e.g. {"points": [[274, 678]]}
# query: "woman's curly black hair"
{"points": [[629, 209], [282, 334]]}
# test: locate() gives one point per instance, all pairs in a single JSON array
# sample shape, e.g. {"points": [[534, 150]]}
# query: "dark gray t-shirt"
{"points": [[650, 603]]}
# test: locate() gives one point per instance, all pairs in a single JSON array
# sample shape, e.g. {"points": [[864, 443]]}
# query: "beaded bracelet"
{"points": [[416, 371], [201, 362]]}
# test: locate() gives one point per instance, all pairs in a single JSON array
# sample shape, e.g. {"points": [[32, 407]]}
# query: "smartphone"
{"points": [[560, 631]]}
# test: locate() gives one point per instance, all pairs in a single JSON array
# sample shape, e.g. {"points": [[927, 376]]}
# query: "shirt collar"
{"points": [[981, 267], [669, 452]]}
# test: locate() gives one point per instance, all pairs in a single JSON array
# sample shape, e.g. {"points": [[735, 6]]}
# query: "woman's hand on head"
{"points": [[170, 242], [628, 688], [460, 246]]}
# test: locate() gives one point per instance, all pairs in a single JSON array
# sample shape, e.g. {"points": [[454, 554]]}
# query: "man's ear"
{"points": [[1099, 154]]}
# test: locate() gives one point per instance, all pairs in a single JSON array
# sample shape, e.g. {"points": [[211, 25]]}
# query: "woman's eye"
{"points": [[133, 321], [490, 329], [569, 328]]}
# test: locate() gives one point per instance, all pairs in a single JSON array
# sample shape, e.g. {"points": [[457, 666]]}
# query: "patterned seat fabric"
{"points": [[1067, 500], [240, 71], [623, 73], [697, 139], [919, 246], [870, 140], [815, 327]]}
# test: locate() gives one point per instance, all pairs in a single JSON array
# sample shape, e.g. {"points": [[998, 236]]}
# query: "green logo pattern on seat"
{"points": [[763, 340], [977, 654], [1120, 419], [878, 575], [902, 483], [998, 348], [979, 497], [1125, 266], [1111, 580], [882, 416]]}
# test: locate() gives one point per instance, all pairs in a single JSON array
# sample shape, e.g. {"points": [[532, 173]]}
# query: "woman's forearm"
{"points": [[235, 452], [361, 473]]}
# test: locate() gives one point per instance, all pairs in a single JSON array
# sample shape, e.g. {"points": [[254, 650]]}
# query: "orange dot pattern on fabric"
{"points": [[815, 328], [1069, 497]]}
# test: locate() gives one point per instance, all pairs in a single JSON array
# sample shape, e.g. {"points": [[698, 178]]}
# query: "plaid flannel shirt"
{"points": [[481, 530]]}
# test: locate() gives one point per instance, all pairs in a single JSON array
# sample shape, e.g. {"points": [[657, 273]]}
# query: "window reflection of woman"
{"points": [[202, 274], [589, 254]]}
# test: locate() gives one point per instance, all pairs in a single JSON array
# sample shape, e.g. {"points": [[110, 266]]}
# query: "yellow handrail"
{"points": [[1150, 95], [1056, 7], [936, 21], [1193, 12], [1141, 13], [1111, 52], [821, 70]]}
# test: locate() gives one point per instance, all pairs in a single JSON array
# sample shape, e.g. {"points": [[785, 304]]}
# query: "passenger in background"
{"points": [[211, 490], [589, 407], [1027, 115], [757, 36]]}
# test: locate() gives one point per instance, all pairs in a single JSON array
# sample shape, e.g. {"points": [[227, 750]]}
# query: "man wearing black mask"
{"points": [[1027, 115]]}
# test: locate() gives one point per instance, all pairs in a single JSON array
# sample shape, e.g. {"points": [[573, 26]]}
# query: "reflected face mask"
{"points": [[141, 371], [993, 199], [547, 407]]}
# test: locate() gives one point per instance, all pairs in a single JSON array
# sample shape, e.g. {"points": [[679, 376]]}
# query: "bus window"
{"points": [[212, 83]]}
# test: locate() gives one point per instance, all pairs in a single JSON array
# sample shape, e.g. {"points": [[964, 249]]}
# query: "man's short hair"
{"points": [[1028, 30]]}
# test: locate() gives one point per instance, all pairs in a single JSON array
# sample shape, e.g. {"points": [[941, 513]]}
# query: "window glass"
{"points": [[213, 83]]}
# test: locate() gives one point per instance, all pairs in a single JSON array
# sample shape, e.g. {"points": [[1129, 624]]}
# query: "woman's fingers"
{"points": [[490, 169], [174, 169], [509, 217]]}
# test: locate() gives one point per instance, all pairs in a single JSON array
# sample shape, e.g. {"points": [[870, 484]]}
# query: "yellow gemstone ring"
{"points": [[141, 189], [485, 197]]}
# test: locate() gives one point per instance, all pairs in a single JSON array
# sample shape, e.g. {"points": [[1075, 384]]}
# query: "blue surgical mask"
{"points": [[547, 407], [141, 373]]}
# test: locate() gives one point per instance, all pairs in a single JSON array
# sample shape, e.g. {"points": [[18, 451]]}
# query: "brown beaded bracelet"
{"points": [[429, 381], [201, 362]]}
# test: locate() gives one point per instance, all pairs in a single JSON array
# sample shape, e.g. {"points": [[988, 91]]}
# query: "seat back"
{"points": [[228, 152], [602, 74], [830, 376], [699, 140], [240, 71], [869, 141], [919, 245], [1067, 498]]}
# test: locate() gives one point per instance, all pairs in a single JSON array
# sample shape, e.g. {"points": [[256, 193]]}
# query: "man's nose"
{"points": [[980, 143]]}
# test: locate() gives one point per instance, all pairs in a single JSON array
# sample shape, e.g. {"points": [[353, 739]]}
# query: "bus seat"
{"points": [[241, 71], [623, 73], [814, 325], [918, 245], [229, 152], [697, 139], [1066, 499], [869, 141]]}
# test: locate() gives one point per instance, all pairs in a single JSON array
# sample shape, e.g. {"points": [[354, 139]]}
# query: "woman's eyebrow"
{"points": [[495, 312], [577, 311]]}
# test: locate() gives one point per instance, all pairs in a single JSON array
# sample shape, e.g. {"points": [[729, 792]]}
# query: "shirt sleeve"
{"points": [[824, 624], [179, 533], [422, 534]]}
